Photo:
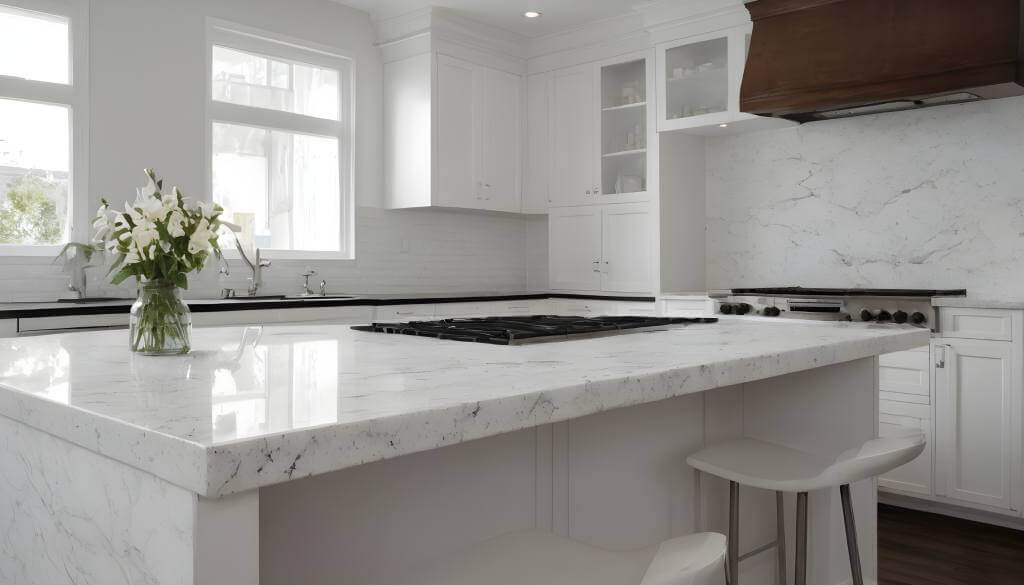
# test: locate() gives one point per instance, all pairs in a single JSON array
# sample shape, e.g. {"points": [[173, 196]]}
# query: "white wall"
{"points": [[931, 198], [147, 76]]}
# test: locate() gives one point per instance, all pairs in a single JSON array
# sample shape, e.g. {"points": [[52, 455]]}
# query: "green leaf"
{"points": [[117, 263], [122, 275]]}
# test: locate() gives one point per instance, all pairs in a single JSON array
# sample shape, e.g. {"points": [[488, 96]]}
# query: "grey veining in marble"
{"points": [[257, 406], [68, 515], [926, 199]]}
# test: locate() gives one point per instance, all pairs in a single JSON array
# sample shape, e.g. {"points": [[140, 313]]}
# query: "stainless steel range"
{"points": [[893, 306]]}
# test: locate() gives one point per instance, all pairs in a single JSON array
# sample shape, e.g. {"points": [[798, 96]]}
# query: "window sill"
{"points": [[270, 254]]}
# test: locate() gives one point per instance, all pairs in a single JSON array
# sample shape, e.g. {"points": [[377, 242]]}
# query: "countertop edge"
{"points": [[252, 463]]}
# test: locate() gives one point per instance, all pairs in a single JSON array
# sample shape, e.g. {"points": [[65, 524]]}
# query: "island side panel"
{"points": [[71, 516]]}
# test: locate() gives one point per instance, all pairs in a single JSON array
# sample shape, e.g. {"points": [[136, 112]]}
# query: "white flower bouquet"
{"points": [[159, 239]]}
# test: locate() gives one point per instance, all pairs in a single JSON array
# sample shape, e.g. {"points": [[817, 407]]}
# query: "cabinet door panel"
{"points": [[575, 248], [626, 263], [538, 143], [572, 136], [456, 135], [501, 145], [975, 421]]}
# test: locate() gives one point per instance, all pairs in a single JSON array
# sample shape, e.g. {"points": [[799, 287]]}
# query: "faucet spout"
{"points": [[256, 268]]}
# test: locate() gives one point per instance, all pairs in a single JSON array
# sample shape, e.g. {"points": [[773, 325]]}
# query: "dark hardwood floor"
{"points": [[918, 548]]}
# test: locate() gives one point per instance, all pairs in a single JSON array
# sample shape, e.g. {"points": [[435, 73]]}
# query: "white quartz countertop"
{"points": [[256, 406], [979, 303]]}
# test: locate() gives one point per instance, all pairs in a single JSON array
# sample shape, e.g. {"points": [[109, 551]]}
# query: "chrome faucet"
{"points": [[78, 283], [306, 291], [256, 280]]}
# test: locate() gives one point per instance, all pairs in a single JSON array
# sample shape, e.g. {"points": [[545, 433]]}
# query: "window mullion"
{"points": [[36, 91], [264, 118]]}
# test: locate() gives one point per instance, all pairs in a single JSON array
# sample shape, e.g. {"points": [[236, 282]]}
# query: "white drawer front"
{"points": [[644, 309], [390, 313], [903, 376], [964, 323], [323, 315], [696, 307], [448, 310]]}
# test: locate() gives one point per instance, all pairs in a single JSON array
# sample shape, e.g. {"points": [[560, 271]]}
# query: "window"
{"points": [[39, 97], [280, 142]]}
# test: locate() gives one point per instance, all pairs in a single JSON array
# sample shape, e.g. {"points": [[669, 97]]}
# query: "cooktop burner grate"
{"points": [[525, 329]]}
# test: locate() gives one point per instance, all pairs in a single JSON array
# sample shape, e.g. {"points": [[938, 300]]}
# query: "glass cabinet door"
{"points": [[623, 88], [697, 78]]}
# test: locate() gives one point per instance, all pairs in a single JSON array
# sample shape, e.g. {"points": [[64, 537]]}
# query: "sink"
{"points": [[94, 300]]}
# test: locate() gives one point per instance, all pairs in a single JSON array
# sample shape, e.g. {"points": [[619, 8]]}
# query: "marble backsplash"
{"points": [[930, 198]]}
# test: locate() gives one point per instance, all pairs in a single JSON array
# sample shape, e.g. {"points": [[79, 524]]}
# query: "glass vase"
{"points": [[160, 322]]}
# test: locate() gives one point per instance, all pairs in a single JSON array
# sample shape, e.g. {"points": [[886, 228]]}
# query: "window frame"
{"points": [[75, 97], [234, 36]]}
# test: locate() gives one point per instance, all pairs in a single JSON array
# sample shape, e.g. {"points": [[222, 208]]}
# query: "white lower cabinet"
{"points": [[601, 248], [977, 404]]}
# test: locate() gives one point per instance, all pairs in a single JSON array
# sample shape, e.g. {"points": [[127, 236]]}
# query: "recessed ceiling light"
{"points": [[723, 125], [532, 14]]}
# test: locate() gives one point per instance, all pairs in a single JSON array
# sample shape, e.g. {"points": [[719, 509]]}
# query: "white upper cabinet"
{"points": [[466, 121], [456, 133], [500, 144], [538, 148], [699, 81], [573, 137], [598, 125]]}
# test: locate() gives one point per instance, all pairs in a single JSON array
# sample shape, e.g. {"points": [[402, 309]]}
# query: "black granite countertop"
{"points": [[58, 309]]}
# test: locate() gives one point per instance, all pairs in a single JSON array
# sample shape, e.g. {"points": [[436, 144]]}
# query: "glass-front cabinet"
{"points": [[699, 81], [624, 128]]}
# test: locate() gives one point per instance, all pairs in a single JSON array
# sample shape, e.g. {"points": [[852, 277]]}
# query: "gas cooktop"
{"points": [[527, 329]]}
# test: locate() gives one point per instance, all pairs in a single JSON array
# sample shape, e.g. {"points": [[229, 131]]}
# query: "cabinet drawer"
{"points": [[695, 307], [645, 309], [916, 476], [449, 310], [390, 313], [964, 323], [319, 315], [903, 376]]}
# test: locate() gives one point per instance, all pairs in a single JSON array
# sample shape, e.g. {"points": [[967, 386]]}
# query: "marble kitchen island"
{"points": [[317, 454]]}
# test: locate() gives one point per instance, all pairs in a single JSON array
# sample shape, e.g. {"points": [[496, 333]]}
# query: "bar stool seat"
{"points": [[533, 557], [778, 468], [769, 466]]}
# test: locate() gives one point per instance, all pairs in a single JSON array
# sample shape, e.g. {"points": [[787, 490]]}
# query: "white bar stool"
{"points": [[534, 557], [774, 467]]}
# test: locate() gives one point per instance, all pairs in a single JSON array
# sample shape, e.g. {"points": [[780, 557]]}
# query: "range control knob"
{"points": [[900, 316], [884, 315], [771, 312], [866, 315], [743, 309], [918, 318], [725, 309]]}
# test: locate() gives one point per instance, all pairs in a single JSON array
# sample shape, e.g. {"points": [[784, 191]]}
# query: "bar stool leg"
{"points": [[851, 535], [801, 539], [780, 537], [734, 533]]}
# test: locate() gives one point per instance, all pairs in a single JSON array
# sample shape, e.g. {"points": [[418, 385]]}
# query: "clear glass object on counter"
{"points": [[160, 322]]}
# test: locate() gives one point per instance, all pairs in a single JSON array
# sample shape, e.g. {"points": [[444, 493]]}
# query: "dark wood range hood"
{"points": [[824, 59]]}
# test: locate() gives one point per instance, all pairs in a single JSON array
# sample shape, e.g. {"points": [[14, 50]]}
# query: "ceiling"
{"points": [[558, 15]]}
